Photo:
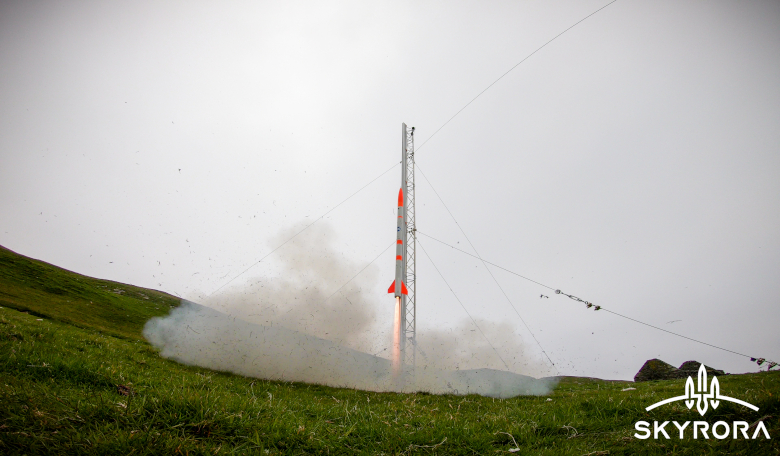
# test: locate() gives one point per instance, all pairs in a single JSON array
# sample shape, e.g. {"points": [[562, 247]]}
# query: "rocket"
{"points": [[399, 287]]}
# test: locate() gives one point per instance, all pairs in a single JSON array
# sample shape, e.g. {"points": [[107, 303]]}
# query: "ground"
{"points": [[74, 381]]}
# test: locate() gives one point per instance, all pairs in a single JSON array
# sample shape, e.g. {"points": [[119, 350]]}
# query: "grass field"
{"points": [[76, 377]]}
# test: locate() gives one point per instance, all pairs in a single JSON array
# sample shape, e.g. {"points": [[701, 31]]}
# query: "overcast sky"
{"points": [[632, 162]]}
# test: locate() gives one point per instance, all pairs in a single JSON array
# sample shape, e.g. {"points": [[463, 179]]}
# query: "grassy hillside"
{"points": [[58, 294], [71, 383]]}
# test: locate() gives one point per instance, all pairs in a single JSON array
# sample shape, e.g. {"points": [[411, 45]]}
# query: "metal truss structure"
{"points": [[409, 305]]}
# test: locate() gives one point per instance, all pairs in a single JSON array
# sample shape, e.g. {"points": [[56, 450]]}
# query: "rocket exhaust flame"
{"points": [[396, 359]]}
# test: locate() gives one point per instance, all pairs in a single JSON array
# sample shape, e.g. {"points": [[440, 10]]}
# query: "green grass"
{"points": [[110, 307], [61, 379]]}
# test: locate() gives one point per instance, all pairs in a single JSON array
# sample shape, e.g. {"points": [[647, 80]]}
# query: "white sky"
{"points": [[633, 162]]}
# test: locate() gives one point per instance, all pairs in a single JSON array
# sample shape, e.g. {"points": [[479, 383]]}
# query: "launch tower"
{"points": [[404, 287], [409, 301]]}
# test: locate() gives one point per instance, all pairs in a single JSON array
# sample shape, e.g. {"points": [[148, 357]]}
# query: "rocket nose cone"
{"points": [[400, 197]]}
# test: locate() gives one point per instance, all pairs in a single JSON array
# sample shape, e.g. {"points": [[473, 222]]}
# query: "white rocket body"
{"points": [[399, 287]]}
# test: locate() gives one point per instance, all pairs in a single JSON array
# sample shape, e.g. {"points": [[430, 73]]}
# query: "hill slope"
{"points": [[46, 290]]}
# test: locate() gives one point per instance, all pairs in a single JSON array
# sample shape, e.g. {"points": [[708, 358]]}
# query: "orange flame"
{"points": [[397, 340]]}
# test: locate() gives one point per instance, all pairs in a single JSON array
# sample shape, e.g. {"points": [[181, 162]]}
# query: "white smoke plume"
{"points": [[286, 328]]}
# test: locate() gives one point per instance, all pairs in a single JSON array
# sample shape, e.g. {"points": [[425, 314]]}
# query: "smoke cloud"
{"points": [[289, 327]]}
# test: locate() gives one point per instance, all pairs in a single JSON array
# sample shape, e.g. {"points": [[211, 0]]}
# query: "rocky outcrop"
{"points": [[655, 369], [691, 369]]}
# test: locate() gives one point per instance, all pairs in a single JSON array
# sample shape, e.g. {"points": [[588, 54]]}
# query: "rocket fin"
{"points": [[403, 288]]}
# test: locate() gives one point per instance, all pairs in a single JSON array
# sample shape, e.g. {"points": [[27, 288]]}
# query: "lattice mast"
{"points": [[409, 301], [405, 284]]}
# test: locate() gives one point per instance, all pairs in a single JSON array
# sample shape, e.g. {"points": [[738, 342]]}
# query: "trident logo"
{"points": [[703, 398]]}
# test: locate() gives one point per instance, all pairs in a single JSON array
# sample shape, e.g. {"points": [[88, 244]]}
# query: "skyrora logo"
{"points": [[703, 399]]}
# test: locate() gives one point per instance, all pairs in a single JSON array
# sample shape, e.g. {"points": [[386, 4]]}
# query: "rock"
{"points": [[655, 369], [691, 369]]}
